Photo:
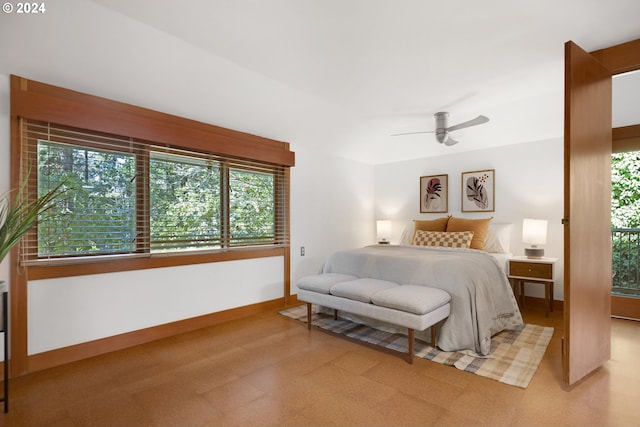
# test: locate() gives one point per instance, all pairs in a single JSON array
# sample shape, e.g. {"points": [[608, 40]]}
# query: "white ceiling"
{"points": [[385, 67]]}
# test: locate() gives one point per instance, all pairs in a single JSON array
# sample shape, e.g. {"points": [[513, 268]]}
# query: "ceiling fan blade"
{"points": [[473, 122], [413, 133], [450, 141]]}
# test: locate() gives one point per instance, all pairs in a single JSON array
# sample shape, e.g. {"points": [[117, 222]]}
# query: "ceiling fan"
{"points": [[442, 130]]}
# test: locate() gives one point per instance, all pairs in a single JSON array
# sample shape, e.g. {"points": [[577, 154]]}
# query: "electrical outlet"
{"points": [[301, 250]]}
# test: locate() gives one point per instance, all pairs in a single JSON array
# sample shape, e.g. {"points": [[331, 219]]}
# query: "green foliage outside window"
{"points": [[185, 203], [625, 190], [625, 222], [182, 203], [252, 211], [98, 213]]}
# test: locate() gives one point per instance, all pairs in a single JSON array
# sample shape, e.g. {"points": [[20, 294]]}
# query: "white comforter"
{"points": [[482, 302]]}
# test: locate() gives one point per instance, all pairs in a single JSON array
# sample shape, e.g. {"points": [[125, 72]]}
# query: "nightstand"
{"points": [[532, 270]]}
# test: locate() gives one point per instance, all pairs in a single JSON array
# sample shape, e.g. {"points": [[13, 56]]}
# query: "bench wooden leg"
{"points": [[309, 315], [410, 345], [434, 334]]}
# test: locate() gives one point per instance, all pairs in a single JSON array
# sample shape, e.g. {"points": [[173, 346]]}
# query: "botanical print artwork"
{"points": [[433, 193], [433, 198], [478, 191]]}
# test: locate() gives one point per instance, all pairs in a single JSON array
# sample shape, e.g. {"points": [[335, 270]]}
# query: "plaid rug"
{"points": [[514, 359]]}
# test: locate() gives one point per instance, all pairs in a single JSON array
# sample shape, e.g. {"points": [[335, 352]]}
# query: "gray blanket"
{"points": [[482, 302]]}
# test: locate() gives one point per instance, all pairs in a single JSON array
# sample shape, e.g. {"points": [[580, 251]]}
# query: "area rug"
{"points": [[514, 359]]}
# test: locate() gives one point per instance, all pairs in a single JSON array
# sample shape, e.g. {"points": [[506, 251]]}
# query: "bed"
{"points": [[482, 301]]}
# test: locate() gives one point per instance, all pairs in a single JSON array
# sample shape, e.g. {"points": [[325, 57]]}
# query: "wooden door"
{"points": [[587, 215]]}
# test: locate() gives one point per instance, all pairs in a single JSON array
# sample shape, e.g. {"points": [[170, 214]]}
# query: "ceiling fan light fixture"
{"points": [[442, 128], [441, 119], [450, 141]]}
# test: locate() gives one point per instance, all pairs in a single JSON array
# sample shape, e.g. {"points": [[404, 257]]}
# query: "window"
{"points": [[185, 203], [251, 207], [99, 215], [129, 197]]}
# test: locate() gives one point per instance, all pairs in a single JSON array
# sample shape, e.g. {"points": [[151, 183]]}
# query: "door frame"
{"points": [[626, 139], [621, 59]]}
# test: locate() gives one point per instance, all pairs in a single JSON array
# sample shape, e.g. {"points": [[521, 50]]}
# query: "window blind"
{"points": [[128, 197]]}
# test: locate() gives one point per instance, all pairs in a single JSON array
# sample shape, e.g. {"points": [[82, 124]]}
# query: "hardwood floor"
{"points": [[269, 370]]}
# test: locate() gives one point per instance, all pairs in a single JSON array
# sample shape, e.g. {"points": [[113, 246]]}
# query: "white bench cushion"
{"points": [[411, 298], [323, 282], [361, 289], [419, 322]]}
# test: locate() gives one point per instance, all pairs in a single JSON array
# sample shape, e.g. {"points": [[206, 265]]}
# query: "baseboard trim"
{"points": [[89, 349], [293, 301], [625, 307]]}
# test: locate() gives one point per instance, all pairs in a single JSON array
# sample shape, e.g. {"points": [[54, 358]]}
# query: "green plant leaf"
{"points": [[17, 217]]}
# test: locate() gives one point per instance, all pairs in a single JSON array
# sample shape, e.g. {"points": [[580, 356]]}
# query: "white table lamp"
{"points": [[383, 227], [534, 232]]}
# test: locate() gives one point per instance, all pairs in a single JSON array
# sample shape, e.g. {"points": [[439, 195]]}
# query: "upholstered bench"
{"points": [[413, 307]]}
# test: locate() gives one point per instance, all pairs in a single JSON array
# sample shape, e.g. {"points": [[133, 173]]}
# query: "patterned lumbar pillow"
{"points": [[449, 239]]}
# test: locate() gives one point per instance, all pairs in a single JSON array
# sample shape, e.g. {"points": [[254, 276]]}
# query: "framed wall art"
{"points": [[434, 191], [478, 191]]}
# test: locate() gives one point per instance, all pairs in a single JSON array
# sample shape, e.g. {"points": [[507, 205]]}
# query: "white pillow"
{"points": [[498, 238], [407, 234]]}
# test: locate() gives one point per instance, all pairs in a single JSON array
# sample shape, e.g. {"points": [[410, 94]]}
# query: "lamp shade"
{"points": [[383, 229], [534, 231]]}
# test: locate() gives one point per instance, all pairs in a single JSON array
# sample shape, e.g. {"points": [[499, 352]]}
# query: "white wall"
{"points": [[331, 208], [4, 167], [529, 184], [4, 151], [72, 310]]}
